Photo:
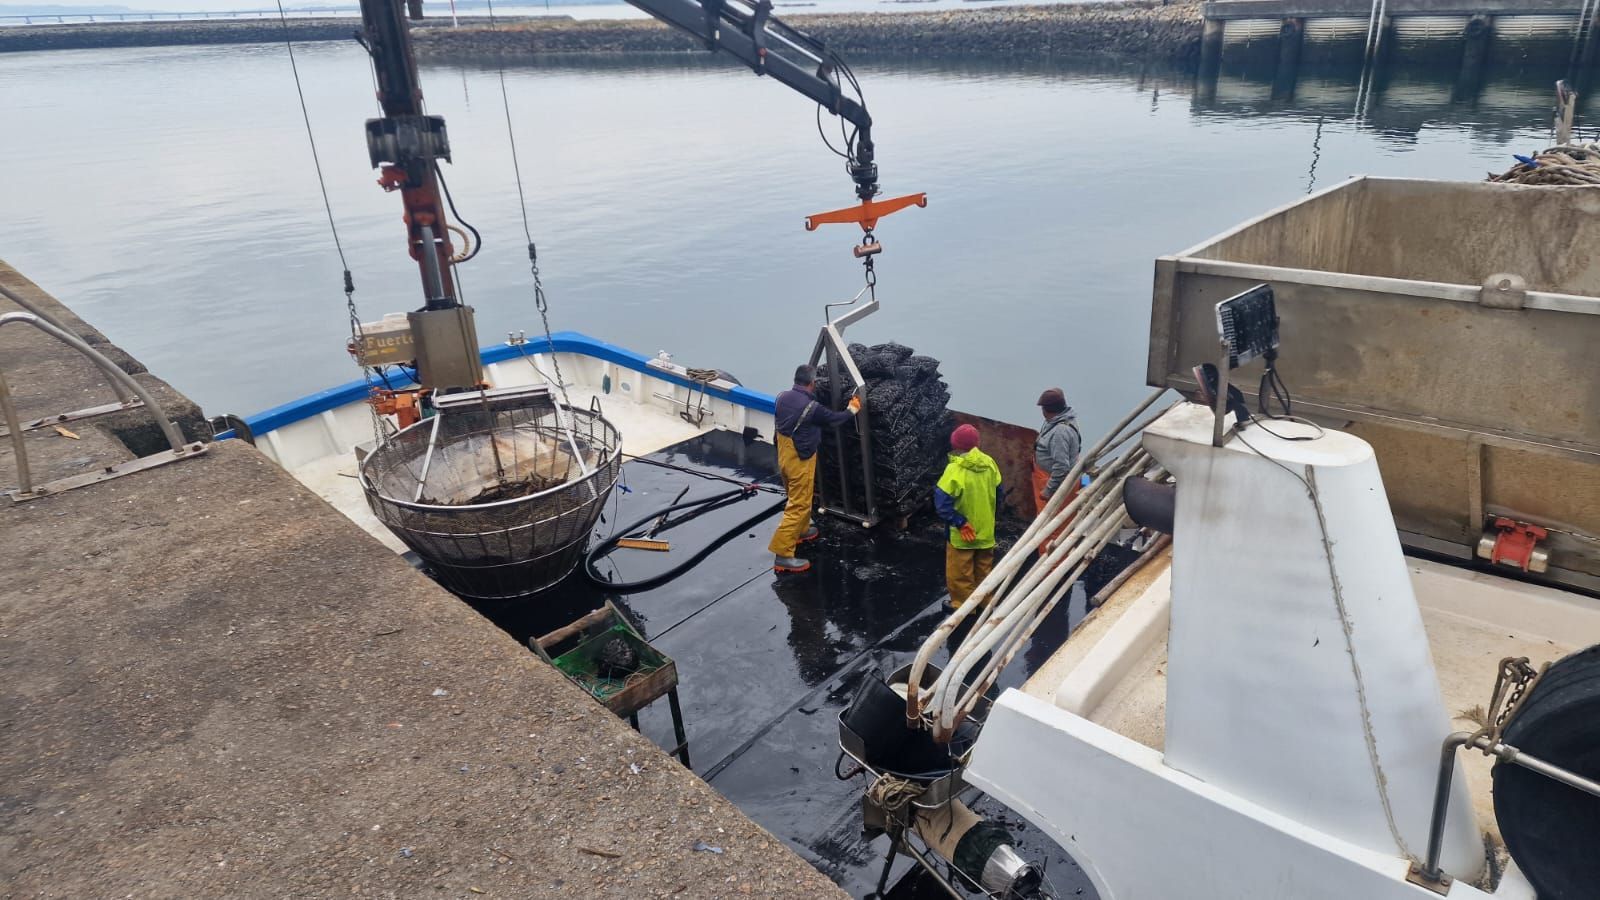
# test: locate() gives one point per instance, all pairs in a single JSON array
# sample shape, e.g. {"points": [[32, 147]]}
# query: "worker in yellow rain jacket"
{"points": [[800, 418], [968, 500]]}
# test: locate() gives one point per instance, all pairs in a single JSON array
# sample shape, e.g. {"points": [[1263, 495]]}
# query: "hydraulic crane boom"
{"points": [[749, 32]]}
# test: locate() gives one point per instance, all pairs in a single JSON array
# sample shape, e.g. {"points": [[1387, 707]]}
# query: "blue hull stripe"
{"points": [[565, 342]]}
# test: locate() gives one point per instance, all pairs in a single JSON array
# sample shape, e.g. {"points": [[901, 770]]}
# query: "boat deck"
{"points": [[768, 661], [1113, 670]]}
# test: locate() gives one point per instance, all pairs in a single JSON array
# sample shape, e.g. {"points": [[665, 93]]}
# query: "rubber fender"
{"points": [[1550, 828], [1150, 504]]}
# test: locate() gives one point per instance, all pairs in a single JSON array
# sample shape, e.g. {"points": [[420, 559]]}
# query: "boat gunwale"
{"points": [[575, 342]]}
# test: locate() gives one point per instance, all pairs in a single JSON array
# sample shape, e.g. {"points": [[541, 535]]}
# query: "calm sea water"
{"points": [[168, 196]]}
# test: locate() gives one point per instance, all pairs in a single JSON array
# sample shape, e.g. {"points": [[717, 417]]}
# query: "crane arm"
{"points": [[747, 30]]}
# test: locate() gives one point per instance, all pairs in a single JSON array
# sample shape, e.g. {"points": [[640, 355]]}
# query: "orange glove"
{"points": [[855, 405], [968, 534]]}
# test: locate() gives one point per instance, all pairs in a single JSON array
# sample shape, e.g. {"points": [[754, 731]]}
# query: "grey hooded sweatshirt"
{"points": [[1057, 447]]}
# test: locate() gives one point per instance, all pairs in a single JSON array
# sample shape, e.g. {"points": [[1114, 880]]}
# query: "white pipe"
{"points": [[968, 700], [1015, 611], [1043, 526], [1101, 495], [1023, 595], [1024, 618]]}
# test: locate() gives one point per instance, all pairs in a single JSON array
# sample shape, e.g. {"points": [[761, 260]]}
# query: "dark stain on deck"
{"points": [[768, 661]]}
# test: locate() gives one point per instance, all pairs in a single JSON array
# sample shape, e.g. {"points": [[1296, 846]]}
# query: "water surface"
{"points": [[168, 196]]}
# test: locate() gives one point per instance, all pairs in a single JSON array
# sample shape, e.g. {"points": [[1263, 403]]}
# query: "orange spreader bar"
{"points": [[867, 213]]}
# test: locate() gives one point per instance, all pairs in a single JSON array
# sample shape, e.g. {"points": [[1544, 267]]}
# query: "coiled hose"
{"points": [[700, 507]]}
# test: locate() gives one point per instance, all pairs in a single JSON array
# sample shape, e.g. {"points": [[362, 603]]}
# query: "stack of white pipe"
{"points": [[1071, 534]]}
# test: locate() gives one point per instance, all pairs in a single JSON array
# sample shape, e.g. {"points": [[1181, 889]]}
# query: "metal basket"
{"points": [[435, 486]]}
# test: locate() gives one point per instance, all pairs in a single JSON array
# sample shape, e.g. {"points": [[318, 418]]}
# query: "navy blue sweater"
{"points": [[807, 435]]}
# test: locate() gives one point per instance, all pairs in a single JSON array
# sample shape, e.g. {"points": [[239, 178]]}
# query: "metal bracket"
{"points": [[404, 140], [1418, 877], [1503, 290], [77, 415], [152, 461]]}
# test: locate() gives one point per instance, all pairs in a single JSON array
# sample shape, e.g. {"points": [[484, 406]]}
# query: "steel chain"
{"points": [[866, 263], [541, 303], [1521, 676], [366, 372]]}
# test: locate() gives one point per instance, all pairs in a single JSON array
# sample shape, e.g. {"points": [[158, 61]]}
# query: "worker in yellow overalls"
{"points": [[800, 419], [968, 499]]}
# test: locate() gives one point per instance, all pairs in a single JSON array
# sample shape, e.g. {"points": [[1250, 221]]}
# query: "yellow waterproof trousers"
{"points": [[963, 570], [800, 480]]}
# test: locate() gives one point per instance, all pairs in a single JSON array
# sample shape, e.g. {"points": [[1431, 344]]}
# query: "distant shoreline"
{"points": [[1146, 29]]}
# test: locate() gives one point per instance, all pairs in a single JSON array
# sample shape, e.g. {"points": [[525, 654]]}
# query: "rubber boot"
{"points": [[790, 564], [811, 534]]}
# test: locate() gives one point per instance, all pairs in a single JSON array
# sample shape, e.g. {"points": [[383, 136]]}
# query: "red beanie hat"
{"points": [[964, 439]]}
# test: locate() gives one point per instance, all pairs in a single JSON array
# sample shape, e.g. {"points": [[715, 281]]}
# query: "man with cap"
{"points": [[968, 499], [1055, 451], [800, 418]]}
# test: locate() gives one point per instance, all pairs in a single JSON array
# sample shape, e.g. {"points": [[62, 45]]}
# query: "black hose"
{"points": [[715, 501]]}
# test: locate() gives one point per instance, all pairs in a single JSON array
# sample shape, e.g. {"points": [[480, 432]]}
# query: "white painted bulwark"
{"points": [[1299, 675], [1144, 831]]}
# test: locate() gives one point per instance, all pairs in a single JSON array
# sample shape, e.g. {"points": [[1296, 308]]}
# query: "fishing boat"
{"points": [[652, 401], [1365, 664]]}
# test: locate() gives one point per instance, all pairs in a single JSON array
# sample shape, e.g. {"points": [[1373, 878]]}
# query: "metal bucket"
{"points": [[438, 485]]}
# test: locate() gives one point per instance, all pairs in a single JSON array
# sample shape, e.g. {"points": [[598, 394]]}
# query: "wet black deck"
{"points": [[766, 662]]}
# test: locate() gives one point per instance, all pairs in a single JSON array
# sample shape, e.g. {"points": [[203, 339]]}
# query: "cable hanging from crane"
{"points": [[333, 227], [540, 301]]}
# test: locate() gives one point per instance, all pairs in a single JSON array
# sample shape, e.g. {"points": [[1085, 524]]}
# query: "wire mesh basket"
{"points": [[498, 495]]}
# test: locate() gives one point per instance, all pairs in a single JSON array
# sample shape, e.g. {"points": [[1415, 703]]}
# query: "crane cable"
{"points": [[333, 227], [540, 302]]}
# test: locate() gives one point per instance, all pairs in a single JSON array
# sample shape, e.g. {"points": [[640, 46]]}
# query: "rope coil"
{"points": [[1565, 165]]}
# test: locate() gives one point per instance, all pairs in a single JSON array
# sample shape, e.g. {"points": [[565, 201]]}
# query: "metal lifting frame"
{"points": [[130, 393], [831, 343]]}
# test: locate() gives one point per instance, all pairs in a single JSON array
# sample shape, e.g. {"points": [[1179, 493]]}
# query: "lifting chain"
{"points": [[867, 240], [366, 373], [1517, 677], [543, 305]]}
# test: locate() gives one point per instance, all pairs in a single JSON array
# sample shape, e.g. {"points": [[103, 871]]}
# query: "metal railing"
{"points": [[1428, 873], [130, 394]]}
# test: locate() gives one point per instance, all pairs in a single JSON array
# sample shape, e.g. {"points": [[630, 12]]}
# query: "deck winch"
{"points": [[915, 797]]}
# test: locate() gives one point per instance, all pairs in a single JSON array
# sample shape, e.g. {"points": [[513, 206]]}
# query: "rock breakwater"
{"points": [[1146, 29]]}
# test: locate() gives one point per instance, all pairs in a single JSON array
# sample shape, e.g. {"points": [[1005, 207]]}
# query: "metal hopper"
{"points": [[498, 491]]}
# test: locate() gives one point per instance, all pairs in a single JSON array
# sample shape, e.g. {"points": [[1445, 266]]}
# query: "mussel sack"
{"points": [[908, 407]]}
